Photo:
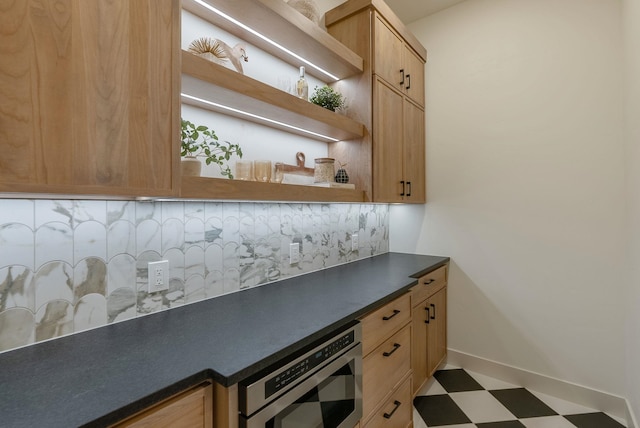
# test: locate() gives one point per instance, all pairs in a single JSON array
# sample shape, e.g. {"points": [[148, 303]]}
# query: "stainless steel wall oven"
{"points": [[321, 387]]}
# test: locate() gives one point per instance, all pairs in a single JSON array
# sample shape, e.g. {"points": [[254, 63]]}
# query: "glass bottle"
{"points": [[302, 88]]}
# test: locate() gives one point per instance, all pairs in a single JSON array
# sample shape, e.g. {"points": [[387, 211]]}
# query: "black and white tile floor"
{"points": [[456, 398]]}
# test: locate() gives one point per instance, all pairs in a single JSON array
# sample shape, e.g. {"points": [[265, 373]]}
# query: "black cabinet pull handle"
{"points": [[426, 308], [409, 82], [433, 315], [402, 194], [402, 72], [409, 185], [395, 348], [387, 318], [429, 282], [397, 404]]}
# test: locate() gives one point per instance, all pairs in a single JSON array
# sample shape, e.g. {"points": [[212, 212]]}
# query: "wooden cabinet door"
{"points": [[89, 97], [387, 148], [192, 409], [419, 346], [414, 153], [414, 76], [437, 330], [388, 54]]}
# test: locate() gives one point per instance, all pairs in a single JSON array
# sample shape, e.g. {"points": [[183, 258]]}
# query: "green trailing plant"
{"points": [[202, 141], [328, 98]]}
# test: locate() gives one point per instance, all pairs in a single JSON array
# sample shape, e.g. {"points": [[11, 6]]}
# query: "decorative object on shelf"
{"points": [[324, 172], [328, 98], [200, 141], [308, 8], [219, 52], [244, 170], [302, 88], [262, 170], [341, 175], [278, 173]]}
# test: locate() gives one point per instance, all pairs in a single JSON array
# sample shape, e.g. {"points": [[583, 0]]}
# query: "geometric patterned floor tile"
{"points": [[522, 403], [593, 420], [438, 410], [455, 398]]}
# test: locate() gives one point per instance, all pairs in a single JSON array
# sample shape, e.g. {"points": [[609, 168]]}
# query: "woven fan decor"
{"points": [[306, 7]]}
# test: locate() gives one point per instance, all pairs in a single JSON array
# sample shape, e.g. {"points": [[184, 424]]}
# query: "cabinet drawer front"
{"points": [[428, 285], [384, 368], [397, 411], [382, 323]]}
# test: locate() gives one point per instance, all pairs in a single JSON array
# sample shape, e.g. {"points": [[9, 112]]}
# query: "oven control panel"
{"points": [[296, 371]]}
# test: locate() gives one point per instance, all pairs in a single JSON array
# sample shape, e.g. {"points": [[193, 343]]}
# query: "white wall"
{"points": [[525, 183], [631, 16]]}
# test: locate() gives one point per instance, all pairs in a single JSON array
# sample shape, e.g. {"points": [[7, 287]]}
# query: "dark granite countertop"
{"points": [[100, 376]]}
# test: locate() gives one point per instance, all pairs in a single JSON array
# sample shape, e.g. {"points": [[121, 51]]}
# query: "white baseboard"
{"points": [[599, 400]]}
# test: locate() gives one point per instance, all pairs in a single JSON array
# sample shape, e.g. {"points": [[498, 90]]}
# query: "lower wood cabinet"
{"points": [[190, 409], [396, 411], [429, 322]]}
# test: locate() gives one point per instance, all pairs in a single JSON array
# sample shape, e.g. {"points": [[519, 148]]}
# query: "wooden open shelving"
{"points": [[225, 189], [279, 22], [226, 88]]}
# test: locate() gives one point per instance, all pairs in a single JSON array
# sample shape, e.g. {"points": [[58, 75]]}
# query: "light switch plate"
{"points": [[354, 242], [294, 253], [158, 276]]}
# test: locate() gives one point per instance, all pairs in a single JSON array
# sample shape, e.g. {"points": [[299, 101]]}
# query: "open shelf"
{"points": [[224, 90], [277, 21], [225, 189]]}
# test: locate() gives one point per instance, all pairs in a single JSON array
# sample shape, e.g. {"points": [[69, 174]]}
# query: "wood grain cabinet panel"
{"points": [[191, 409], [88, 97], [396, 411]]}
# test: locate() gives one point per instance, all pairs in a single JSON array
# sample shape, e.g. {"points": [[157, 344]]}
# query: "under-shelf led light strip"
{"points": [[255, 116], [265, 38]]}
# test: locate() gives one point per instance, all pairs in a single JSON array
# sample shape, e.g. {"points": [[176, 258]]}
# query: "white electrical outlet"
{"points": [[294, 253], [354, 242], [158, 276]]}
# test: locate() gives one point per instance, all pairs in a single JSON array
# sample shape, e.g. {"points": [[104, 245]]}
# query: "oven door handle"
{"points": [[260, 418]]}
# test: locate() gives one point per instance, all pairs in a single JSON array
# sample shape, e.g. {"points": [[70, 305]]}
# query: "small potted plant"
{"points": [[200, 141], [328, 98]]}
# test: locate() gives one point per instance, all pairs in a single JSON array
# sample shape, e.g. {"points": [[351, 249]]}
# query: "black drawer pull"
{"points": [[397, 404], [429, 282], [426, 308], [402, 72], [402, 194], [387, 318], [409, 185], [433, 315], [409, 82], [395, 348]]}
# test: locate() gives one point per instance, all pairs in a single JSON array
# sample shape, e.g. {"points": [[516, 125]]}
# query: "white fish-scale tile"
{"points": [[89, 240], [89, 211], [194, 289], [231, 280], [121, 238], [52, 282], [17, 245], [214, 258], [194, 262], [52, 211], [90, 312], [172, 210], [194, 211], [231, 256], [146, 211], [121, 305], [142, 269], [17, 211], [231, 230], [16, 287], [172, 234], [194, 233], [18, 328], [121, 272], [54, 319], [214, 284], [213, 211], [121, 211], [89, 277], [176, 263], [149, 237]]}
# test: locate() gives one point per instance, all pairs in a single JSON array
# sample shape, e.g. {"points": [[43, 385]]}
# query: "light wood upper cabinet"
{"points": [[394, 64], [89, 97]]}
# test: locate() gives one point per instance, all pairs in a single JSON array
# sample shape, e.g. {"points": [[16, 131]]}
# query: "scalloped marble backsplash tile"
{"points": [[67, 266]]}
